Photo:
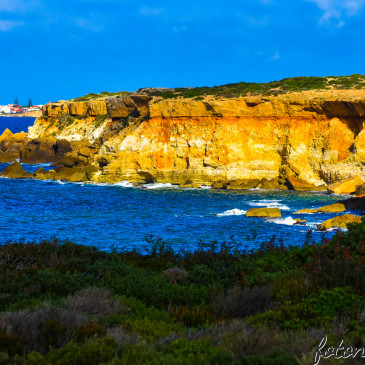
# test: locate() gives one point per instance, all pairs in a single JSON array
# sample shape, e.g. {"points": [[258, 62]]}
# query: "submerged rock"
{"points": [[340, 221], [264, 213], [346, 186]]}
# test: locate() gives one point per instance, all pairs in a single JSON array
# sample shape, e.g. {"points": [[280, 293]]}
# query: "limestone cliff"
{"points": [[314, 136]]}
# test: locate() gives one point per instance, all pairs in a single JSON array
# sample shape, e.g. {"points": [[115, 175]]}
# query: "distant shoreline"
{"points": [[34, 114]]}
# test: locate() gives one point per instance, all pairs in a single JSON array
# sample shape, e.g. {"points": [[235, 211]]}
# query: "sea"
{"points": [[120, 216]]}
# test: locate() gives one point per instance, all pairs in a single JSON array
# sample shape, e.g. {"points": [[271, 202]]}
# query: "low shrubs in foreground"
{"points": [[63, 303]]}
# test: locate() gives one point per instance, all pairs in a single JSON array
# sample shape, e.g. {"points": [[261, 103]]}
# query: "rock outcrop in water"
{"points": [[301, 141], [341, 221]]}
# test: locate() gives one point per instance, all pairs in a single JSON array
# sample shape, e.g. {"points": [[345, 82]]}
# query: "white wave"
{"points": [[313, 224], [205, 187], [336, 228], [288, 221], [255, 189], [269, 204], [160, 186], [124, 184], [46, 164], [232, 212]]}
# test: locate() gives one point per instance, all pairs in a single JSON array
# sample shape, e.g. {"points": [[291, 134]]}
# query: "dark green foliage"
{"points": [[63, 303]]}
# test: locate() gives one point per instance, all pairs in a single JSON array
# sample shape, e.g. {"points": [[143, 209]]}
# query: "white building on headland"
{"points": [[14, 109], [5, 109]]}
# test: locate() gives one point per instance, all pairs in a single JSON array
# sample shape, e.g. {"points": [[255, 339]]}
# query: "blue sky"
{"points": [[61, 49]]}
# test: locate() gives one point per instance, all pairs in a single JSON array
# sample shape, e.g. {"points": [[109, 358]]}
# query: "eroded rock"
{"points": [[15, 171], [346, 186], [332, 208], [340, 221], [264, 213]]}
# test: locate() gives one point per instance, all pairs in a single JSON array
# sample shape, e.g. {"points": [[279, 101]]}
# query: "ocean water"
{"points": [[103, 215], [15, 124]]}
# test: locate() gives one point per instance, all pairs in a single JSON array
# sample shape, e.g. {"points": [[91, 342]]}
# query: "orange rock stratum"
{"points": [[317, 137]]}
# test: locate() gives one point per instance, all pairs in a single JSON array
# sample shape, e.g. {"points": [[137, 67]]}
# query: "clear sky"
{"points": [[61, 49]]}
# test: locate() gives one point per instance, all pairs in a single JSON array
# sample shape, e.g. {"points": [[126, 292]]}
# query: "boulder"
{"points": [[360, 190], [354, 203], [39, 151], [306, 211], [6, 157], [62, 146], [270, 184], [264, 213], [299, 221], [10, 145], [298, 184], [346, 186], [220, 184], [332, 208], [15, 171], [73, 174], [7, 134], [340, 221], [244, 184]]}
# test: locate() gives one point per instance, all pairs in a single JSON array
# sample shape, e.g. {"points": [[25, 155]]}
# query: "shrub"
{"points": [[318, 309], [44, 327], [149, 329], [94, 301], [91, 353], [121, 336], [241, 302], [175, 274], [192, 317]]}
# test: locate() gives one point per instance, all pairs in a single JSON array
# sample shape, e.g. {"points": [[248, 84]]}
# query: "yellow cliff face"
{"points": [[315, 136]]}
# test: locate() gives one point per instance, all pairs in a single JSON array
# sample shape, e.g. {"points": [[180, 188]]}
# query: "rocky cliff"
{"points": [[305, 139]]}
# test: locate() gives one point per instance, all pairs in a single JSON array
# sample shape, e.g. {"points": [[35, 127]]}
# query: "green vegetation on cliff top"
{"points": [[104, 94], [287, 85], [293, 84]]}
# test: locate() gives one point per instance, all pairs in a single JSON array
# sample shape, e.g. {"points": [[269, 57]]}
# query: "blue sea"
{"points": [[16, 124], [103, 215]]}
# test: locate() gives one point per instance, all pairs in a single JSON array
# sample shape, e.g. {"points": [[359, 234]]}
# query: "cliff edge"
{"points": [[302, 140]]}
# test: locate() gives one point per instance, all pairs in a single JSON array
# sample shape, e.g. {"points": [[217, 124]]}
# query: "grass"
{"points": [[283, 86], [63, 303], [93, 96]]}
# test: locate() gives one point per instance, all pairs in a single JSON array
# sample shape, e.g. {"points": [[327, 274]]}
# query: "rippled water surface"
{"points": [[105, 215]]}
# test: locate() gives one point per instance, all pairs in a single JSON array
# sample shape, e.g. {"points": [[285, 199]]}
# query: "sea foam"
{"points": [[232, 212], [269, 204], [160, 186]]}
